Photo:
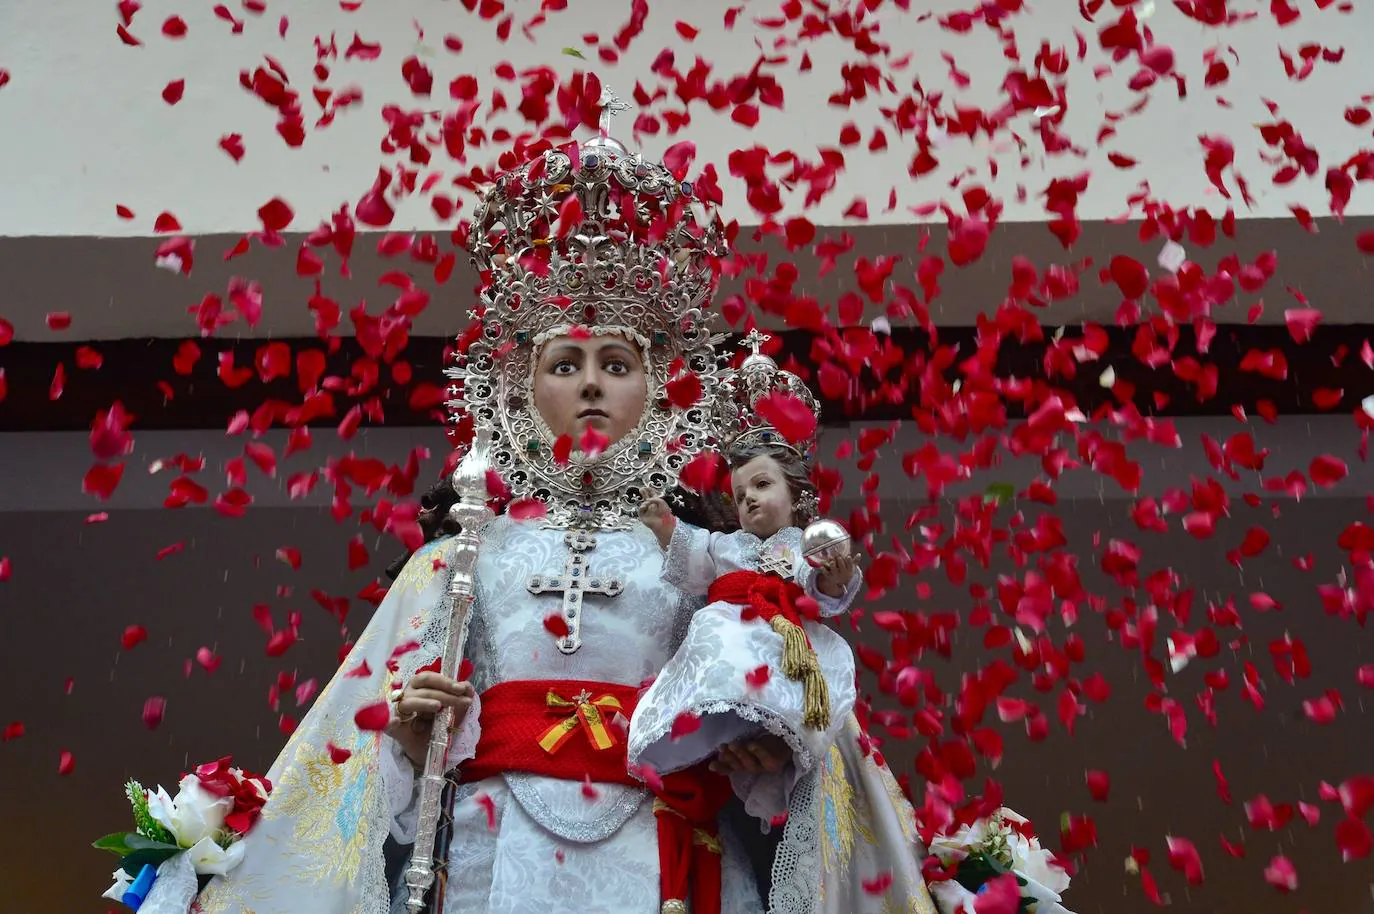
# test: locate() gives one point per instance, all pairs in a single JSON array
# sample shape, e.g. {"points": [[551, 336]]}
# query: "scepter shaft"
{"points": [[471, 513]]}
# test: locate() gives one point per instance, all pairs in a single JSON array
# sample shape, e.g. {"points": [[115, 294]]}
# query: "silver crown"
{"points": [[641, 263], [735, 413]]}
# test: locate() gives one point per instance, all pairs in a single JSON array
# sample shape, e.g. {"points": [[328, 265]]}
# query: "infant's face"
{"points": [[762, 497]]}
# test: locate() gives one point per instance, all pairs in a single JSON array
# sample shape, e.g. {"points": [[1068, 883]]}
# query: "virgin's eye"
{"points": [[562, 366], [763, 483], [617, 366]]}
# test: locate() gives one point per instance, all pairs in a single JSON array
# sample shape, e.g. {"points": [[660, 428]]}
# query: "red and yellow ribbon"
{"points": [[589, 714]]}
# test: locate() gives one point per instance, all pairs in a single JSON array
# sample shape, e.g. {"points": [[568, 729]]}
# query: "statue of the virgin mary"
{"points": [[562, 382]]}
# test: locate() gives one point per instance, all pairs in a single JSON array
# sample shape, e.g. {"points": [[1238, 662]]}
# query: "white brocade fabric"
{"points": [[707, 678], [521, 843], [528, 843]]}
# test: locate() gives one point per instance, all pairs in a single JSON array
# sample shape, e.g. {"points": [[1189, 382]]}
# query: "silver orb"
{"points": [[824, 540]]}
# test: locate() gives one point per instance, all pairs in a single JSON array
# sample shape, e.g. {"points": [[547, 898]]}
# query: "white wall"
{"points": [[85, 127]]}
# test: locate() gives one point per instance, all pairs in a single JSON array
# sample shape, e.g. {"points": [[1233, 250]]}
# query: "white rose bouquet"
{"points": [[179, 842], [978, 855]]}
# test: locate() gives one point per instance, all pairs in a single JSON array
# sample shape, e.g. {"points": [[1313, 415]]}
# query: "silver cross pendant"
{"points": [[575, 581]]}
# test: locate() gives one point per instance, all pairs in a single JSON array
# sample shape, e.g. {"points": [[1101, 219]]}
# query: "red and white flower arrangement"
{"points": [[196, 832], [995, 864]]}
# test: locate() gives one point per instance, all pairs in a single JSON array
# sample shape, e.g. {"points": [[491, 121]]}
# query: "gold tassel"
{"points": [[816, 700], [799, 664]]}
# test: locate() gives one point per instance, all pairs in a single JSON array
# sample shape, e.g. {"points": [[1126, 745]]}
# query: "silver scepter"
{"points": [[472, 513]]}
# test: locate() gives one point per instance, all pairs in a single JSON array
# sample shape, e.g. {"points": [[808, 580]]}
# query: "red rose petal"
{"points": [[1356, 795], [88, 359], [703, 472], [556, 625], [999, 895], [1281, 874], [527, 509], [489, 807], [232, 144], [684, 724], [66, 763], [373, 717], [276, 214], [678, 158], [878, 884], [1354, 839], [1183, 856], [592, 443], [562, 450], [102, 479], [1302, 323], [133, 636], [789, 415], [569, 215], [208, 660], [684, 390], [173, 91], [338, 755], [153, 710]]}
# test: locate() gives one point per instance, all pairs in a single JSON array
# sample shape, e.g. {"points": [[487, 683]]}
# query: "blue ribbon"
{"points": [[138, 890]]}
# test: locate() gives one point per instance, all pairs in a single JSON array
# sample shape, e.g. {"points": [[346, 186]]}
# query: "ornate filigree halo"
{"points": [[734, 412], [639, 264]]}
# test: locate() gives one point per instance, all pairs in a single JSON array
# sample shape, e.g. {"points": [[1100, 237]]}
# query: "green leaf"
{"points": [[145, 856], [574, 52], [977, 869], [143, 842], [1000, 492], [115, 843]]}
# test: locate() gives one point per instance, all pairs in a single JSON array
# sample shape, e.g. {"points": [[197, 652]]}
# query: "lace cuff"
{"points": [[398, 774], [398, 777], [463, 744], [830, 606], [687, 562]]}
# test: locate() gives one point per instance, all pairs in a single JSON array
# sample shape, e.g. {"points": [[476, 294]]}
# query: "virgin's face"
{"points": [[762, 497], [596, 383]]}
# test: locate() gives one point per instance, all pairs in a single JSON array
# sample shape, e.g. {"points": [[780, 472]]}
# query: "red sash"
{"points": [[763, 596], [779, 603], [566, 729]]}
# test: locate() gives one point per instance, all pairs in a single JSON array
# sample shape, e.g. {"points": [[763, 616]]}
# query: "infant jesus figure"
{"points": [[756, 666]]}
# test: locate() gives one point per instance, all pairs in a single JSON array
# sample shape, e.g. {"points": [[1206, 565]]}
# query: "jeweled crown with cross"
{"points": [[735, 414], [590, 236]]}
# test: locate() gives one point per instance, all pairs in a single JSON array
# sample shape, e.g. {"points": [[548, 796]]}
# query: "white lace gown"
{"points": [[524, 843], [708, 678]]}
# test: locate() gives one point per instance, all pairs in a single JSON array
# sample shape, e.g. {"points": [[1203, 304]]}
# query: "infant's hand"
{"points": [[655, 514], [757, 755], [835, 575]]}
